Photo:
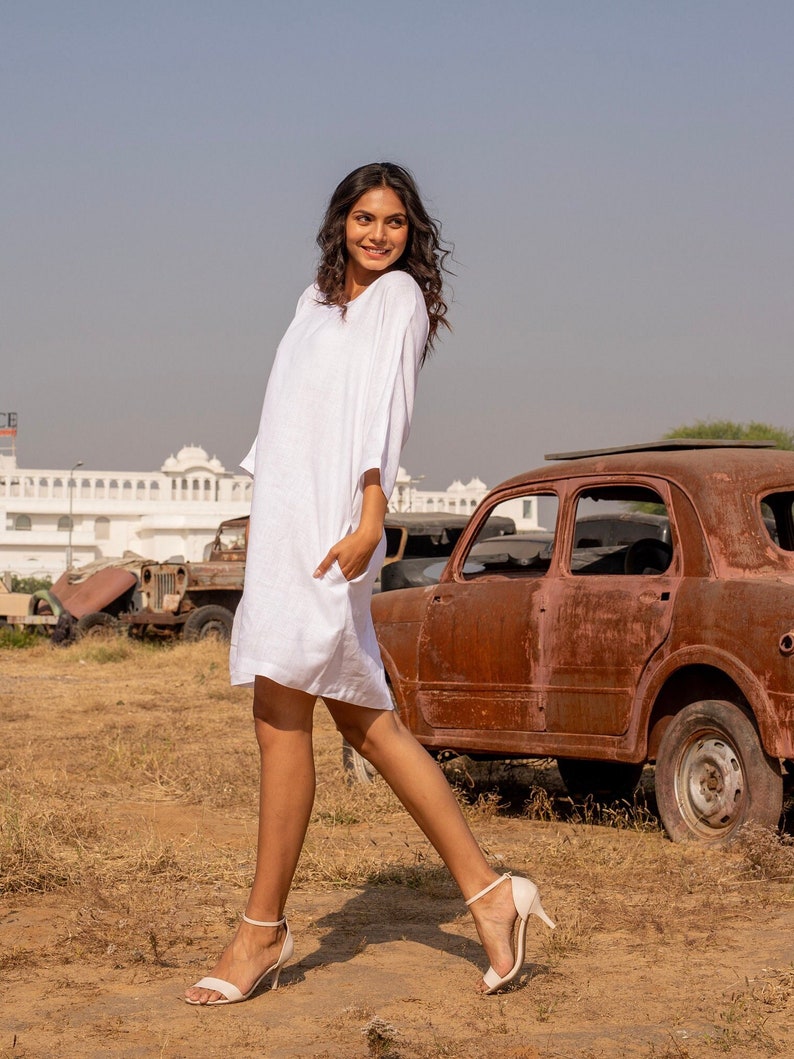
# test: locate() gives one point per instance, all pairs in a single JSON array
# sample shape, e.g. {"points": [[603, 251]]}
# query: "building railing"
{"points": [[125, 488]]}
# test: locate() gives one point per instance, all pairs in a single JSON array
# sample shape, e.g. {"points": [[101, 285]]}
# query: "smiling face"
{"points": [[376, 233]]}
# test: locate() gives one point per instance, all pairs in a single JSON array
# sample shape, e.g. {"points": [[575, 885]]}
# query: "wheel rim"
{"points": [[213, 630], [710, 785]]}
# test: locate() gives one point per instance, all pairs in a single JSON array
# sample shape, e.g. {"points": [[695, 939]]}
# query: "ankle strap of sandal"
{"points": [[487, 890], [262, 923]]}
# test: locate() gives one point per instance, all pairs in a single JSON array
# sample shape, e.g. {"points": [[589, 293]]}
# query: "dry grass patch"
{"points": [[767, 854], [743, 1023], [128, 808], [44, 843]]}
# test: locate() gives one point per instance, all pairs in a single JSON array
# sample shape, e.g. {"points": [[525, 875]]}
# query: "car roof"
{"points": [[667, 445], [420, 523], [735, 464]]}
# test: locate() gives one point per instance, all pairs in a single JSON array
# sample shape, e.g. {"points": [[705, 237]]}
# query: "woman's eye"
{"points": [[398, 222], [362, 218]]}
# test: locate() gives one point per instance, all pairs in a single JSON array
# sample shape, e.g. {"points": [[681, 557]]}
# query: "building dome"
{"points": [[192, 458], [193, 453]]}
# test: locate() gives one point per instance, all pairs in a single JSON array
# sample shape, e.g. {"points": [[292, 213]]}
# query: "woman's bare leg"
{"points": [[283, 724], [382, 738]]}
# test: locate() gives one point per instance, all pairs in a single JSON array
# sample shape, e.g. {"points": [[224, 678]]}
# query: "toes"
{"points": [[201, 996]]}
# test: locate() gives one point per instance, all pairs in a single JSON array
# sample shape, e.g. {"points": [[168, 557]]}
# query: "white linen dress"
{"points": [[338, 403]]}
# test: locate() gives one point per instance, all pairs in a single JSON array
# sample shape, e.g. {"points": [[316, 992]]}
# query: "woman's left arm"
{"points": [[354, 551]]}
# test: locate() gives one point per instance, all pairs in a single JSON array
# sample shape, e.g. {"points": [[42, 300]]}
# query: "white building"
{"points": [[459, 499], [158, 514], [46, 514]]}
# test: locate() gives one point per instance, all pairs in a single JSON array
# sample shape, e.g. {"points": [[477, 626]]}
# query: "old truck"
{"points": [[194, 599], [80, 601], [139, 596]]}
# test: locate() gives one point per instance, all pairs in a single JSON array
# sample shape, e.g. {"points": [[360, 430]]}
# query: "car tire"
{"points": [[713, 776], [97, 625], [357, 768], [608, 781], [208, 623]]}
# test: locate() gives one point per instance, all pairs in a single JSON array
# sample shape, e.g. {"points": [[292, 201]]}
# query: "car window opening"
{"points": [[777, 515], [525, 553], [621, 530]]}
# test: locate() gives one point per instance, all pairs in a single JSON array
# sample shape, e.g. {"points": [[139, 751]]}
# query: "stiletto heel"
{"points": [[232, 994], [527, 903]]}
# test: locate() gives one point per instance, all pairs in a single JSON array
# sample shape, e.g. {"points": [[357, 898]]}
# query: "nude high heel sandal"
{"points": [[232, 994], [527, 902]]}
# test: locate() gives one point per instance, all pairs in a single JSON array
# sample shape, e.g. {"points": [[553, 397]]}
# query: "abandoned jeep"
{"points": [[674, 647], [196, 600]]}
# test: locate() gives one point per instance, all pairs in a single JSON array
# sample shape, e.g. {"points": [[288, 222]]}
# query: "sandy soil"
{"points": [[128, 819]]}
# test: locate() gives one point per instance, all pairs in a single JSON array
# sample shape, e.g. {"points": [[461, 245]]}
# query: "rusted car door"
{"points": [[599, 631], [479, 656], [479, 652]]}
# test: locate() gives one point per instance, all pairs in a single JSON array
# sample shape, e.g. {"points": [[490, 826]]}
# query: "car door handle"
{"points": [[652, 597]]}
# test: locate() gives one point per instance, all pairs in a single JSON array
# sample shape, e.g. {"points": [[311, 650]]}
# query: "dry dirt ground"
{"points": [[127, 821]]}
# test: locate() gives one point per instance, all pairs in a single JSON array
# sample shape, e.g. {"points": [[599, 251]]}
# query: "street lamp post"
{"points": [[71, 504]]}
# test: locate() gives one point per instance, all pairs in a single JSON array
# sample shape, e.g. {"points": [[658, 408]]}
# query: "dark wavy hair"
{"points": [[424, 255]]}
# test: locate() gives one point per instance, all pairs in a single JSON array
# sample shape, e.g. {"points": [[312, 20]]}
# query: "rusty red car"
{"points": [[675, 647]]}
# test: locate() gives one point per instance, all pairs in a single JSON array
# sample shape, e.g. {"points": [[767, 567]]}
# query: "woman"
{"points": [[335, 418]]}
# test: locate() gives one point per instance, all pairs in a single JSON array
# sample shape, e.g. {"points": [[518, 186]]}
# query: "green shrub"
{"points": [[15, 638], [29, 584]]}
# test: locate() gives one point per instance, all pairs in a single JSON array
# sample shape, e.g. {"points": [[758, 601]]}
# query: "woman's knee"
{"points": [[352, 733], [366, 729]]}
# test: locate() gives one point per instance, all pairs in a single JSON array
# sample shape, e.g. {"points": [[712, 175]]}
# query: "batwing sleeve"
{"points": [[248, 463], [398, 354]]}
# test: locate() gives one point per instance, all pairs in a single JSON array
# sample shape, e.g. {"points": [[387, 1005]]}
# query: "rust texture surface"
{"points": [[583, 659], [95, 593]]}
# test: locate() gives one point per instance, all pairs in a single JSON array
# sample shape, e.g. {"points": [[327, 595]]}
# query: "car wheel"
{"points": [[208, 623], [713, 776], [603, 780], [98, 625], [357, 768]]}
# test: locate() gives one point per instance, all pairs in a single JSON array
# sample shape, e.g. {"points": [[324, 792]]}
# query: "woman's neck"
{"points": [[357, 280]]}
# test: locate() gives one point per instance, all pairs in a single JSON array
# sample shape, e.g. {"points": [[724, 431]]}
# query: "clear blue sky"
{"points": [[616, 178]]}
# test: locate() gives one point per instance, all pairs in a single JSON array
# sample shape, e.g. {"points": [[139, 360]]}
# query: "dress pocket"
{"points": [[335, 576]]}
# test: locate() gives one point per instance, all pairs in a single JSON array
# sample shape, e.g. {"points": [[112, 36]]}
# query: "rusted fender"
{"points": [[95, 593], [775, 733]]}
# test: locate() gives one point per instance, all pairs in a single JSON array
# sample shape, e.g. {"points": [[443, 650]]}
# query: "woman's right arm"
{"points": [[354, 551]]}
